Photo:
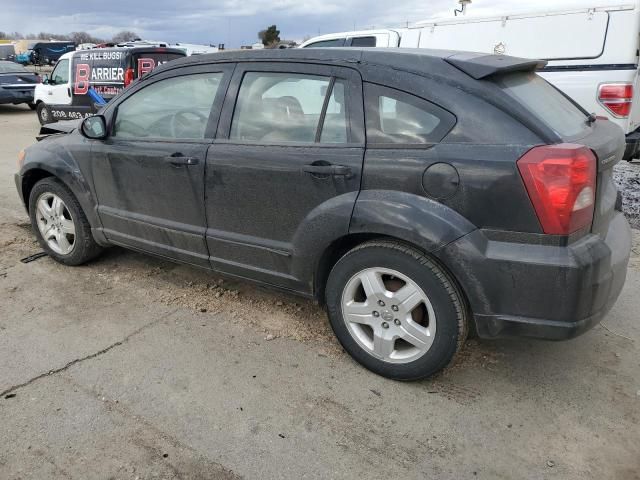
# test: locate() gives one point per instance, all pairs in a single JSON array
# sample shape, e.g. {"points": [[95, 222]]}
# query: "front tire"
{"points": [[395, 311], [44, 114], [61, 226]]}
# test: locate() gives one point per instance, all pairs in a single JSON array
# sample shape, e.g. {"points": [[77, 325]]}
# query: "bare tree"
{"points": [[84, 37], [125, 36]]}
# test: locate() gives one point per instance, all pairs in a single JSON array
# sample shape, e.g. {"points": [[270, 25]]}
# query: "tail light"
{"points": [[617, 98], [561, 183], [128, 76]]}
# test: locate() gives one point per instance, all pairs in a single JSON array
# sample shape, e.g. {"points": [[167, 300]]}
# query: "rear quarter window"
{"points": [[363, 42], [549, 105], [395, 118], [336, 42]]}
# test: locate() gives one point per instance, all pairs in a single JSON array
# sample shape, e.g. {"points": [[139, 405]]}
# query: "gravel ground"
{"points": [[627, 177]]}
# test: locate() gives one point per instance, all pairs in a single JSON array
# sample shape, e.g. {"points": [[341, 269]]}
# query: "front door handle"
{"points": [[178, 160], [339, 170]]}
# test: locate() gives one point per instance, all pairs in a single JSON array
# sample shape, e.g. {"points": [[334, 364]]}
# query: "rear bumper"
{"points": [[16, 96], [541, 291]]}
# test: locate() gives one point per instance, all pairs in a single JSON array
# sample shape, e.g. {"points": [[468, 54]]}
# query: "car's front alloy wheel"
{"points": [[44, 115], [55, 223], [60, 224]]}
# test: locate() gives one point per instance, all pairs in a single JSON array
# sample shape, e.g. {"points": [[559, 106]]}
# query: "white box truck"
{"points": [[592, 52]]}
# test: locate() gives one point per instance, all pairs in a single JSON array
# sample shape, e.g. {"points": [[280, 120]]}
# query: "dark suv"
{"points": [[417, 194]]}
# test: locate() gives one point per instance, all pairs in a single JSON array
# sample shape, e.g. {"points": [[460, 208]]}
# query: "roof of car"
{"points": [[419, 60], [331, 55]]}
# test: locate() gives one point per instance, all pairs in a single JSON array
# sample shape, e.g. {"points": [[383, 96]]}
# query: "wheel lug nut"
{"points": [[397, 322], [385, 325], [381, 303], [376, 314], [394, 308]]}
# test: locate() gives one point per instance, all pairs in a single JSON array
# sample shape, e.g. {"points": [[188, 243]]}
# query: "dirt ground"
{"points": [[133, 367]]}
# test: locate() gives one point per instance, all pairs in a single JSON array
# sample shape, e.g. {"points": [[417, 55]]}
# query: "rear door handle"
{"points": [[327, 170], [179, 160]]}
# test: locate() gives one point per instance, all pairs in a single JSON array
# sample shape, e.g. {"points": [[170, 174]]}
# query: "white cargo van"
{"points": [[85, 79], [592, 53]]}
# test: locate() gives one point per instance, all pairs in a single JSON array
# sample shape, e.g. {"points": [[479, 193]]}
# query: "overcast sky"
{"points": [[236, 22]]}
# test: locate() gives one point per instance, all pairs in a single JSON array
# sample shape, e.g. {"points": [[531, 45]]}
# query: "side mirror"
{"points": [[45, 79], [94, 127]]}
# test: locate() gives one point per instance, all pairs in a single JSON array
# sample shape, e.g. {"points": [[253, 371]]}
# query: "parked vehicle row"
{"points": [[17, 84], [44, 53], [417, 194], [592, 54]]}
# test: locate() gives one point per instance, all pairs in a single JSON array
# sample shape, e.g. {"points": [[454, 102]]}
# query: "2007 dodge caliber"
{"points": [[416, 194]]}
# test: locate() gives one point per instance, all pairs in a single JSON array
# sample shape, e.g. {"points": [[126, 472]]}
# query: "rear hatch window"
{"points": [[549, 105]]}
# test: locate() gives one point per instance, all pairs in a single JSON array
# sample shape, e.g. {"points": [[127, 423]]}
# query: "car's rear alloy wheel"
{"points": [[389, 315], [55, 223], [60, 224], [395, 310]]}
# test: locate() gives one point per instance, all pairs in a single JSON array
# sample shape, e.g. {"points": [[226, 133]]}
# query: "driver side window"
{"points": [[174, 108], [60, 74]]}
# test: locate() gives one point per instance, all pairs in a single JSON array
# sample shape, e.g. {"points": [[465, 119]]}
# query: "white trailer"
{"points": [[592, 52]]}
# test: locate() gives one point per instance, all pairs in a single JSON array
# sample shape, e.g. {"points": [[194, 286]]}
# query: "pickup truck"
{"points": [[591, 53]]}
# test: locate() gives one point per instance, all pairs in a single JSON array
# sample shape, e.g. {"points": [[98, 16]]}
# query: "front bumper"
{"points": [[16, 96], [17, 178], [544, 291]]}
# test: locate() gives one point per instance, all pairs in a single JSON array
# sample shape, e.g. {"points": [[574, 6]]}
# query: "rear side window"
{"points": [[546, 103], [363, 42], [289, 107], [336, 42], [395, 118]]}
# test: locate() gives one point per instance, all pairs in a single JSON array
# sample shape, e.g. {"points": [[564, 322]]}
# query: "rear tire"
{"points": [[395, 311], [44, 114], [61, 226]]}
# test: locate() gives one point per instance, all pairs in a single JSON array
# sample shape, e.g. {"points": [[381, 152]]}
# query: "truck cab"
{"points": [[364, 38]]}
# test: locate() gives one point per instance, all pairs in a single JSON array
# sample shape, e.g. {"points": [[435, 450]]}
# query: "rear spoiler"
{"points": [[479, 65]]}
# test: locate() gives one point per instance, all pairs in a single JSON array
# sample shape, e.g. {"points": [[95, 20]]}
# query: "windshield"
{"points": [[546, 102], [11, 67]]}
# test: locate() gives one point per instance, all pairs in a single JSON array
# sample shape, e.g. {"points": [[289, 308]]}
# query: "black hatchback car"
{"points": [[417, 194]]}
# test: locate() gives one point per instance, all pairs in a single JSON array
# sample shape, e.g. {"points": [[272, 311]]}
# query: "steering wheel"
{"points": [[130, 129], [181, 125]]}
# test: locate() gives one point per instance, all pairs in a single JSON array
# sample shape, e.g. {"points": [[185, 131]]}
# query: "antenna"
{"points": [[463, 7]]}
